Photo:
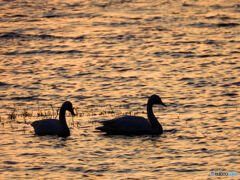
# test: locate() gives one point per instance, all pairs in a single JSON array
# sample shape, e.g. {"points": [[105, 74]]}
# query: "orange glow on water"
{"points": [[107, 57]]}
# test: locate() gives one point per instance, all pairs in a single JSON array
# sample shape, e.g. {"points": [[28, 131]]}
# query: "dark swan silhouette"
{"points": [[135, 125], [54, 126]]}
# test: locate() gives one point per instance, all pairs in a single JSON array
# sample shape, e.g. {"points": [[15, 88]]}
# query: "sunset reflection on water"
{"points": [[107, 58]]}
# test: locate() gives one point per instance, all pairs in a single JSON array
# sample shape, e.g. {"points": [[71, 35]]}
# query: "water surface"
{"points": [[107, 57]]}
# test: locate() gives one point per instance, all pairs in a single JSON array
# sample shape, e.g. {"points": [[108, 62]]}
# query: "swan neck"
{"points": [[62, 114], [151, 117]]}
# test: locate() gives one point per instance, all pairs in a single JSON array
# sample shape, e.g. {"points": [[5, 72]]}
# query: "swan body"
{"points": [[135, 124], [54, 126]]}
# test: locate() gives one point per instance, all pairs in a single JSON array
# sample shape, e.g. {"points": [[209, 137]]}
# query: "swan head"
{"points": [[155, 99], [68, 106]]}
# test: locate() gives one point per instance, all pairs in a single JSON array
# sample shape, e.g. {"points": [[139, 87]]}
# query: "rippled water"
{"points": [[107, 57]]}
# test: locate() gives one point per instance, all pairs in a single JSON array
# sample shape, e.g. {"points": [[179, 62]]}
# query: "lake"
{"points": [[107, 57]]}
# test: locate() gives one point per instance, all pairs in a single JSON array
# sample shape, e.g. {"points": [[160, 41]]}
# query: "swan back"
{"points": [[128, 125], [50, 127]]}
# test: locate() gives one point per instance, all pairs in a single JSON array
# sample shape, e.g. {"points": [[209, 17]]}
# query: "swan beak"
{"points": [[72, 112], [163, 104]]}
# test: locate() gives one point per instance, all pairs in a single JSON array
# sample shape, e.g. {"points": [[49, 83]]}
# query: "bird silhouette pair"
{"points": [[126, 125]]}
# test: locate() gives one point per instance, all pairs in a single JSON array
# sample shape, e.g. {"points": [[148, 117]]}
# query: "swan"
{"points": [[54, 126], [129, 125]]}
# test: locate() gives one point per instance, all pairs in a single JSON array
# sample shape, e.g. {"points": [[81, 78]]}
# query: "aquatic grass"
{"points": [[26, 113], [12, 115], [43, 114], [83, 116], [1, 122]]}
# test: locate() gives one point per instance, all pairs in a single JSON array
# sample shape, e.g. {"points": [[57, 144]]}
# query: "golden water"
{"points": [[107, 57]]}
